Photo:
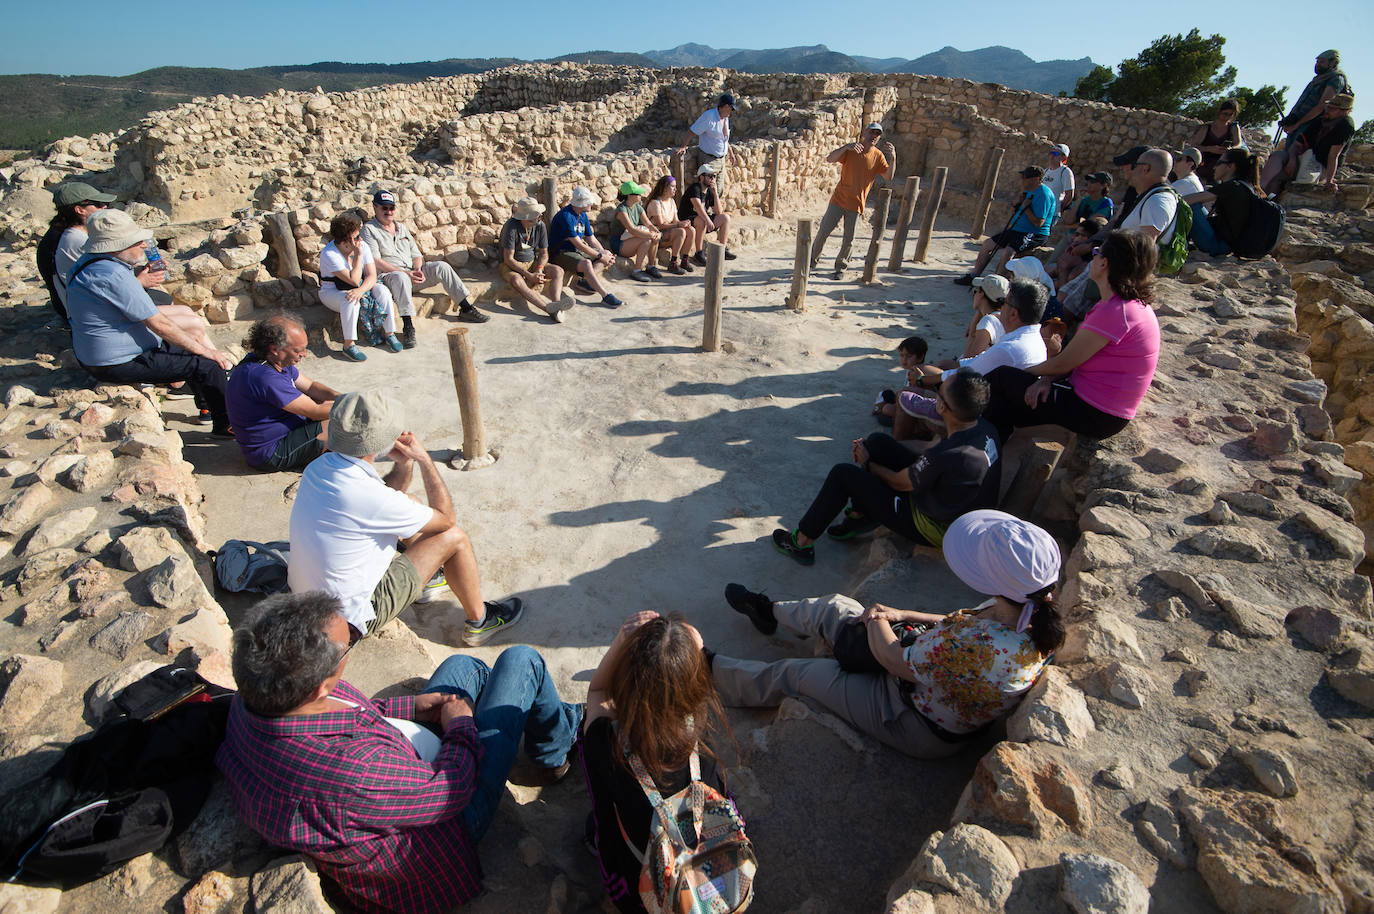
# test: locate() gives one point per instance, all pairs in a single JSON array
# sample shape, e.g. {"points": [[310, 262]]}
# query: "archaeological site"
{"points": [[1204, 740]]}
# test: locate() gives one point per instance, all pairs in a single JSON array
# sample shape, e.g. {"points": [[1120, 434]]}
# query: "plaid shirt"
{"points": [[347, 789]]}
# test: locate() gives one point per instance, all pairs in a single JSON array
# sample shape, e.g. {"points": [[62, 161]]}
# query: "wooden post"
{"points": [[464, 360], [980, 215], [774, 161], [284, 241], [928, 221], [550, 194], [678, 166], [909, 195], [801, 269], [879, 226], [715, 275], [923, 158]]}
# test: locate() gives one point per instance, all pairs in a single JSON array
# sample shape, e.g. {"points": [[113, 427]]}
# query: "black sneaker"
{"points": [[639, 276], [471, 315], [852, 527], [654, 272], [837, 275], [408, 337], [730, 256], [205, 418], [756, 606], [225, 432], [499, 616], [965, 280], [583, 286], [610, 301], [699, 258], [786, 543]]}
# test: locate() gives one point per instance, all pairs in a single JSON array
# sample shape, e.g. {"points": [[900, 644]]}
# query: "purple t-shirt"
{"points": [[257, 392], [1114, 379]]}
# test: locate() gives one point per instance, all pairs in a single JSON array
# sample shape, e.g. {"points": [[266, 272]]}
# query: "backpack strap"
{"points": [[81, 269], [667, 821]]}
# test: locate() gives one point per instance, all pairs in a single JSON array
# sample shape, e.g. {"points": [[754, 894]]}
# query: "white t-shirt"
{"points": [[1021, 348], [1156, 210], [1189, 185], [344, 527], [713, 132], [332, 260], [1060, 180], [992, 325], [69, 250]]}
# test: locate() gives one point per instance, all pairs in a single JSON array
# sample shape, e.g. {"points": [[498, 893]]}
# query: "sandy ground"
{"points": [[637, 472]]}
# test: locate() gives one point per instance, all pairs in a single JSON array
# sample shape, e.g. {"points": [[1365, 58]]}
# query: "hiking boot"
{"points": [[471, 315], [786, 543], [965, 280], [434, 589], [756, 606], [851, 527], [408, 337], [686, 263], [729, 255], [699, 258], [499, 616], [675, 269], [653, 272]]}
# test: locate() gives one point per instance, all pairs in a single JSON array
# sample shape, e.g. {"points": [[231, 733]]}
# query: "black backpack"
{"points": [[1263, 228], [124, 790]]}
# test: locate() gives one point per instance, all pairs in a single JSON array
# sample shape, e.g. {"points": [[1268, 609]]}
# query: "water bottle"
{"points": [[155, 262]]}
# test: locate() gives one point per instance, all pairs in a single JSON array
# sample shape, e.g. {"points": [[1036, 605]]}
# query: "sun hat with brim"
{"points": [[1191, 152], [994, 287], [365, 423], [1344, 101], [999, 555], [630, 187], [528, 208], [705, 170], [111, 230], [581, 196], [74, 192]]}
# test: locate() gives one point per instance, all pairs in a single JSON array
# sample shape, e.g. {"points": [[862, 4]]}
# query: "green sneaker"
{"points": [[786, 543], [499, 616], [853, 526], [434, 589]]}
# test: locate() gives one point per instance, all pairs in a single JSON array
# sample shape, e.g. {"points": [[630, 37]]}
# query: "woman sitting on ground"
{"points": [[651, 698], [348, 285], [1237, 184], [1217, 137], [928, 692], [1095, 384], [638, 239], [662, 212], [985, 327]]}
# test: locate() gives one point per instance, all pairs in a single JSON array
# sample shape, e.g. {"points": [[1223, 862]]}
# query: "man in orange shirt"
{"points": [[860, 163]]}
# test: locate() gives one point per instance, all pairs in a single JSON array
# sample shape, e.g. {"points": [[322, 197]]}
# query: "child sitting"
{"points": [[911, 352]]}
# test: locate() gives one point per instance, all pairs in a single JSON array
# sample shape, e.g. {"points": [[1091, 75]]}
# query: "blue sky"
{"points": [[101, 38]]}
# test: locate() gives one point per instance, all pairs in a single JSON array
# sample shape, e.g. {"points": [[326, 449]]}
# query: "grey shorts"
{"points": [[299, 447], [398, 588]]}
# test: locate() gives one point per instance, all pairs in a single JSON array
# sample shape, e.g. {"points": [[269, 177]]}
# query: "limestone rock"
{"points": [[1185, 584], [1118, 776], [1053, 711], [1345, 539], [1018, 785], [27, 899], [1352, 673], [1231, 543], [1094, 551], [1273, 438], [1272, 769], [1113, 522], [1317, 625], [89, 472], [1093, 884], [100, 701], [289, 885], [26, 683], [208, 631], [1249, 619], [174, 584], [60, 529], [1159, 831], [1128, 684], [146, 446], [1102, 636], [146, 547], [971, 862], [122, 633], [25, 508], [209, 894]]}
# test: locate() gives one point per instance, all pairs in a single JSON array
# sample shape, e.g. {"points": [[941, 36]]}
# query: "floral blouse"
{"points": [[970, 671]]}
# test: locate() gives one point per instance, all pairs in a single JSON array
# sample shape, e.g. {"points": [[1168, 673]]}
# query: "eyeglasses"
{"points": [[344, 655], [96, 203], [386, 209]]}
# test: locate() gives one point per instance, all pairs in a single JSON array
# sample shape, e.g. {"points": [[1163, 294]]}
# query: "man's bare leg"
{"points": [[452, 550]]}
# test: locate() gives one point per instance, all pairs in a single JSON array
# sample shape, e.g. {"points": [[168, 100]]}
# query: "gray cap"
{"points": [[365, 423], [875, 126]]}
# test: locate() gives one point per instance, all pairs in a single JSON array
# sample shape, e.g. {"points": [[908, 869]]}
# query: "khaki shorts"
{"points": [[569, 261], [506, 273], [398, 588]]}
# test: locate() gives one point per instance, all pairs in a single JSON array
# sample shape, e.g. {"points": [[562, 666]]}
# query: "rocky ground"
{"points": [[1204, 743]]}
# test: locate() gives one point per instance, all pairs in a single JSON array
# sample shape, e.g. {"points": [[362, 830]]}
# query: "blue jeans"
{"points": [[1203, 235], [514, 698]]}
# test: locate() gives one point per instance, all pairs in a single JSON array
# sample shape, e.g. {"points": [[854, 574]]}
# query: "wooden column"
{"points": [[677, 163], [932, 208], [801, 269], [715, 275], [774, 175], [284, 242], [549, 192], [980, 215], [909, 195], [879, 226], [464, 360]]}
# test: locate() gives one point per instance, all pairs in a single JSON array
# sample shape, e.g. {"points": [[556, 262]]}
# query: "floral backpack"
{"points": [[714, 874]]}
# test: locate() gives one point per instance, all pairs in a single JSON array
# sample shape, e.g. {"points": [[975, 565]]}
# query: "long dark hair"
{"points": [[1046, 625], [660, 186], [1131, 259], [665, 702], [66, 217], [1246, 164]]}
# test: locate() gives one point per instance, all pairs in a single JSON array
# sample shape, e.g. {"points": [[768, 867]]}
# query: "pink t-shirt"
{"points": [[1114, 379]]}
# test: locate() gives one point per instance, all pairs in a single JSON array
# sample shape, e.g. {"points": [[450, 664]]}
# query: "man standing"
{"points": [[280, 416], [1029, 225], [120, 336], [347, 520], [860, 163], [391, 812], [401, 267], [1328, 82], [1156, 202], [1059, 178], [712, 133], [576, 249], [701, 206]]}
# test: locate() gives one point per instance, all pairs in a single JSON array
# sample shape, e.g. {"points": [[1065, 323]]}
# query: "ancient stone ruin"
{"points": [[1204, 741]]}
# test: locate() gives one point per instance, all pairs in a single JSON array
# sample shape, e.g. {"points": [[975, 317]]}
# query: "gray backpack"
{"points": [[257, 567]]}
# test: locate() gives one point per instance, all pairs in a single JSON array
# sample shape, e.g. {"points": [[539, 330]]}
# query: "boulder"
{"points": [[1018, 785], [60, 529], [1232, 542], [146, 547], [289, 885], [1093, 884], [26, 683], [24, 509], [174, 584], [1272, 769], [207, 631], [971, 862], [1352, 673], [28, 899], [1053, 711]]}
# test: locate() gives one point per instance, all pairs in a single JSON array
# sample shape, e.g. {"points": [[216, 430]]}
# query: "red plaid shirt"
{"points": [[347, 789]]}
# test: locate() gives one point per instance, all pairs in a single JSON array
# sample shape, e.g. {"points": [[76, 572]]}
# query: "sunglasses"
{"points": [[96, 203], [1097, 252], [386, 208]]}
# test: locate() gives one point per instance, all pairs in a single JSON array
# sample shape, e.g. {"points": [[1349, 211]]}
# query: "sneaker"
{"points": [[499, 616], [392, 343], [354, 353], [756, 606], [471, 315], [730, 255], [965, 280], [583, 286], [205, 418], [699, 258], [639, 276], [674, 268], [786, 543], [434, 589], [852, 527], [838, 274], [610, 301], [226, 432], [408, 337], [653, 272], [177, 393]]}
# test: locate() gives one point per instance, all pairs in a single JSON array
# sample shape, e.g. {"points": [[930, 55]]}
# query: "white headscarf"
{"points": [[1002, 556]]}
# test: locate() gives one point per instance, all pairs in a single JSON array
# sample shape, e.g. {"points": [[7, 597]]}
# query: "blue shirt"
{"points": [[1043, 205], [107, 307], [566, 225], [255, 399], [1088, 207]]}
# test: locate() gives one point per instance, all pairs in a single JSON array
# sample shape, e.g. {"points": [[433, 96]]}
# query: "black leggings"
{"points": [[168, 363], [870, 496], [1008, 410]]}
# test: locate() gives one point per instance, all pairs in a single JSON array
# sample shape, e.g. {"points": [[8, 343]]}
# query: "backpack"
{"points": [[712, 875], [1263, 228], [1173, 254], [247, 565]]}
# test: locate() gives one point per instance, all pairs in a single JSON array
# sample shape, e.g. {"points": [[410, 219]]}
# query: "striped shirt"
{"points": [[347, 789]]}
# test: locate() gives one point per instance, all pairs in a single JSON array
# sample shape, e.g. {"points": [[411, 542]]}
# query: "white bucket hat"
{"points": [[581, 196]]}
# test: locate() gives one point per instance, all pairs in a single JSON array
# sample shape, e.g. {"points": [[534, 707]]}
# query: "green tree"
{"points": [[1365, 134], [1258, 107]]}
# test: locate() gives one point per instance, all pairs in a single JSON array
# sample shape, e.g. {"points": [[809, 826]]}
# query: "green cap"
{"points": [[75, 192], [630, 187]]}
